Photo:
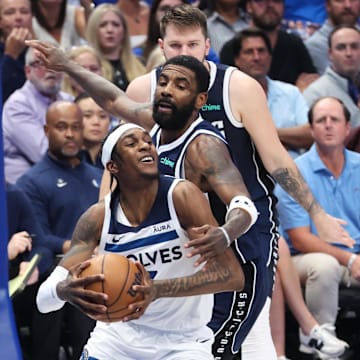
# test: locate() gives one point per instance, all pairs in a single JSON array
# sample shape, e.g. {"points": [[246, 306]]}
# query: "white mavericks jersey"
{"points": [[158, 243]]}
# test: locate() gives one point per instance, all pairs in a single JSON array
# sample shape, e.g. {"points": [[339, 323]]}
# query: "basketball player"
{"points": [[147, 216], [237, 106]]}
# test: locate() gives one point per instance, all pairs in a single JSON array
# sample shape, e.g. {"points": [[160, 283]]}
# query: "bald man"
{"points": [[61, 187]]}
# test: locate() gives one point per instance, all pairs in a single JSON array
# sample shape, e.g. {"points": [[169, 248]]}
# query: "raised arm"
{"points": [[251, 108], [106, 94]]}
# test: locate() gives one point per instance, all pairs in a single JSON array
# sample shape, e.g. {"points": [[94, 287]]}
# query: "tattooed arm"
{"points": [[86, 236], [106, 94], [249, 106], [219, 276], [208, 164]]}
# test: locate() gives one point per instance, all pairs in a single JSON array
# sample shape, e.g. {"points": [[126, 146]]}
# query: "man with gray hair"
{"points": [[24, 113]]}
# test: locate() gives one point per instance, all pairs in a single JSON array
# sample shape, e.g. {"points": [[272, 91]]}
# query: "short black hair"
{"points": [[197, 67], [232, 47], [311, 110], [82, 96]]}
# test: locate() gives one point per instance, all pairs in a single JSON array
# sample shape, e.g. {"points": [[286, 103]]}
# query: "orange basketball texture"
{"points": [[120, 275]]}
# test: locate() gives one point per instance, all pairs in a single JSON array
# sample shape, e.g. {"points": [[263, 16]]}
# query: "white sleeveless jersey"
{"points": [[158, 243]]}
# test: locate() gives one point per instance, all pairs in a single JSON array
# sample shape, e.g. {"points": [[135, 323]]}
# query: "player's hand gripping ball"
{"points": [[120, 275]]}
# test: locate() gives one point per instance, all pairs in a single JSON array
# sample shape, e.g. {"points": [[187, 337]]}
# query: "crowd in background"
{"points": [[298, 51]]}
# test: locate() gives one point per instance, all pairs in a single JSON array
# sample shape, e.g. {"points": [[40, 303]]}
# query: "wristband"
{"points": [[244, 203], [227, 237], [47, 299], [351, 261]]}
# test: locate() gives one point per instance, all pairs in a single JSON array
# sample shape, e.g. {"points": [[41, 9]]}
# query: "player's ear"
{"points": [[201, 100], [112, 167], [161, 44]]}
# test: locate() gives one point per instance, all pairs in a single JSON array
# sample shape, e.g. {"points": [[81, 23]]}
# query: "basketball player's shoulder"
{"points": [[203, 144], [95, 213], [139, 89], [184, 189], [244, 85]]}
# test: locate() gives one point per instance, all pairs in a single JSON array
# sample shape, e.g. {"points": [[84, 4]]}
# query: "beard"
{"points": [[267, 23], [177, 118], [345, 18]]}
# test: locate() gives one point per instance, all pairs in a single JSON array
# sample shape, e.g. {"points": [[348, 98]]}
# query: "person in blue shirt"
{"points": [[252, 54], [333, 174], [61, 187]]}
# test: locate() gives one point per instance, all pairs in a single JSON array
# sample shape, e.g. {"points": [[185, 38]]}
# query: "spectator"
{"points": [[333, 174], [96, 124], [252, 55], [15, 27], [60, 23], [225, 19], [339, 13], [25, 236], [107, 32], [25, 240], [340, 78], [136, 14], [24, 113], [87, 57], [291, 61], [313, 337], [51, 185]]}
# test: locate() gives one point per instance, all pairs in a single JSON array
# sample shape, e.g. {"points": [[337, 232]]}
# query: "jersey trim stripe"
{"points": [[149, 240]]}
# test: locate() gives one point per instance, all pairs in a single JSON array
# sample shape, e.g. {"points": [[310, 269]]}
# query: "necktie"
{"points": [[353, 91]]}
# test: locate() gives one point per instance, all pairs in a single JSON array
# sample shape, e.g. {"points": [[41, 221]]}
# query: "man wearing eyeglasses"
{"points": [[24, 117]]}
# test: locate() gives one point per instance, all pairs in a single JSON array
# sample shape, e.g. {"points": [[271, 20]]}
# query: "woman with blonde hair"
{"points": [[108, 33], [88, 58]]}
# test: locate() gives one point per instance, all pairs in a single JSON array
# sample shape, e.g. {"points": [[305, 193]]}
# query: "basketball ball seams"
{"points": [[103, 285], [123, 286]]}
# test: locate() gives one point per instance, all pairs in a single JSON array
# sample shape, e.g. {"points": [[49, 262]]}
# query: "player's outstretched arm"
{"points": [[64, 283], [106, 94], [209, 165], [251, 108]]}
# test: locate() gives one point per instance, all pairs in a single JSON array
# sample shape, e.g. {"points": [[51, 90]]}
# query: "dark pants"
{"points": [[68, 327]]}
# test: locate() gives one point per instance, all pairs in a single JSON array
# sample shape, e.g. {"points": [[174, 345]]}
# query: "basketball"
{"points": [[120, 275]]}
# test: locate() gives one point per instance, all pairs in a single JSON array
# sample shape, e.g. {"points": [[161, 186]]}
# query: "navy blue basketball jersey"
{"points": [[245, 156], [234, 313], [172, 155]]}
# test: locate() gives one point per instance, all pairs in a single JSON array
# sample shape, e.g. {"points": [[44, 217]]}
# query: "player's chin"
{"points": [[151, 173]]}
